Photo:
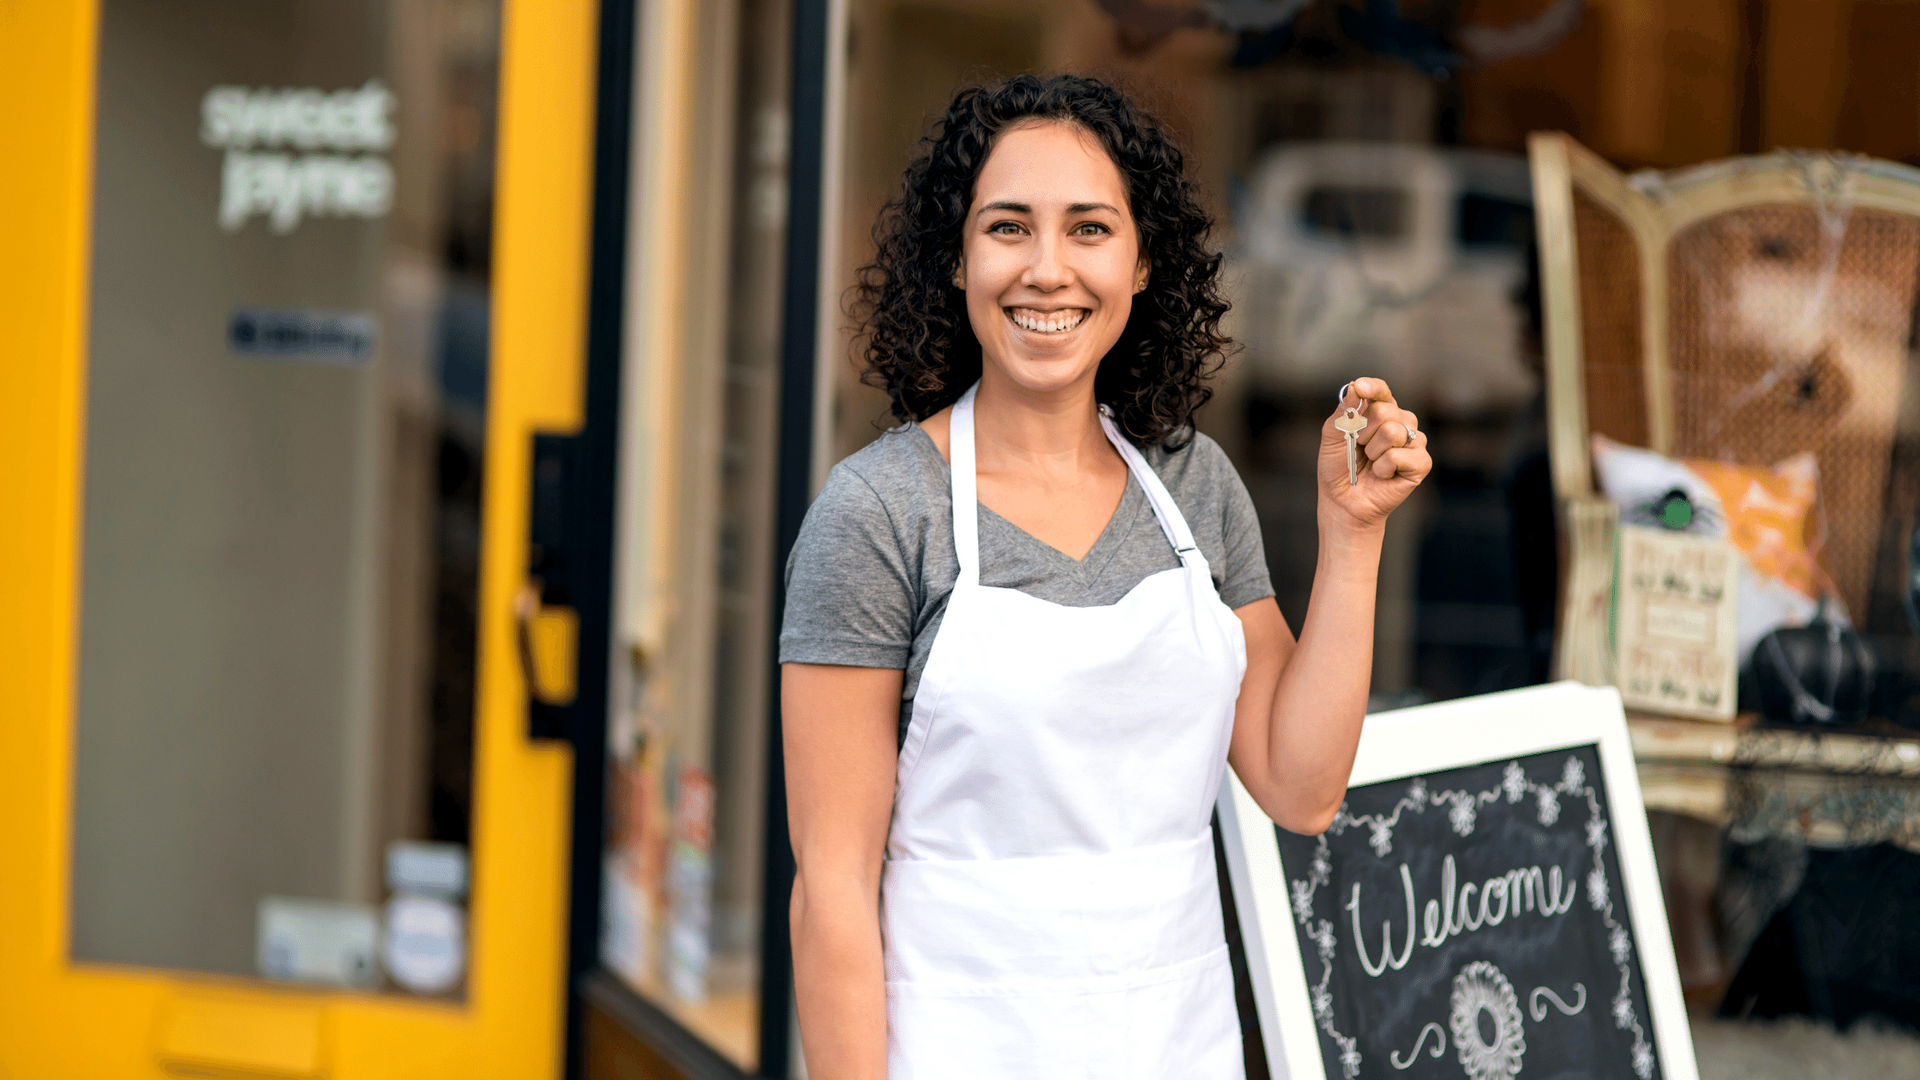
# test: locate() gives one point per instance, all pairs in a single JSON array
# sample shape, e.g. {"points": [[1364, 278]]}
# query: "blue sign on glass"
{"points": [[335, 336]]}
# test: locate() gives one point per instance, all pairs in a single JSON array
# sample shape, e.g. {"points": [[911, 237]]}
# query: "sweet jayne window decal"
{"points": [[334, 174]]}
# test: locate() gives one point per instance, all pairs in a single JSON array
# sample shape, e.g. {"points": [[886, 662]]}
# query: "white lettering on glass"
{"points": [[337, 171]]}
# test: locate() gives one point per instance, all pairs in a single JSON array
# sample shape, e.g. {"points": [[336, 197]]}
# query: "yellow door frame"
{"points": [[59, 1019]]}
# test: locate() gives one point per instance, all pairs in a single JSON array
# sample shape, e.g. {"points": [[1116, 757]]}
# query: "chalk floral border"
{"points": [[1463, 814]]}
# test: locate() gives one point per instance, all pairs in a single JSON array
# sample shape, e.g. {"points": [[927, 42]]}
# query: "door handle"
{"points": [[527, 615], [546, 600]]}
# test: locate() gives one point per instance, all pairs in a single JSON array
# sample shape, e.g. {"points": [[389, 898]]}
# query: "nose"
{"points": [[1048, 270]]}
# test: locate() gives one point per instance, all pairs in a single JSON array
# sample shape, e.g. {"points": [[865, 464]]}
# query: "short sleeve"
{"points": [[850, 589], [1243, 576]]}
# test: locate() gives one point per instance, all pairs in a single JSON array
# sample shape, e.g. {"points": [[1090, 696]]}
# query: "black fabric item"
{"points": [[1845, 948]]}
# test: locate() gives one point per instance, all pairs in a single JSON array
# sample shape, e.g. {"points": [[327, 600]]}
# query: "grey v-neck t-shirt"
{"points": [[868, 580]]}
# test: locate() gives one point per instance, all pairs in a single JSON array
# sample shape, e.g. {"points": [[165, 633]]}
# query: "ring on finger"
{"points": [[1411, 434]]}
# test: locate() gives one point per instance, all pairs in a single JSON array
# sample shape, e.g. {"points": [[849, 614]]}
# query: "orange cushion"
{"points": [[1772, 516]]}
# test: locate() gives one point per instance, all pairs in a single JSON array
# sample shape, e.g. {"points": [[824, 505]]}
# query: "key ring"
{"points": [[1341, 398]]}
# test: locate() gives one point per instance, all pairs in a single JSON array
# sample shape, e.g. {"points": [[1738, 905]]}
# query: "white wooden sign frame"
{"points": [[1429, 739]]}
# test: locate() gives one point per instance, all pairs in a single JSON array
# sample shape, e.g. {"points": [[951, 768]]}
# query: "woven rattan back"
{"points": [[1610, 288], [1789, 334], [1744, 311]]}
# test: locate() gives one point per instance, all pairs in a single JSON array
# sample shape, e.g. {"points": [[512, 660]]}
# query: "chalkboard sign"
{"points": [[1484, 904]]}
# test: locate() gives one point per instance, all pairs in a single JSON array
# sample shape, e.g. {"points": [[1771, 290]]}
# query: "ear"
{"points": [[1141, 273], [960, 274]]}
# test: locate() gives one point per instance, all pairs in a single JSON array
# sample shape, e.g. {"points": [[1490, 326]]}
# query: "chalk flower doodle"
{"points": [[1596, 831], [1323, 1005], [1481, 988], [1620, 944], [1303, 899], [1479, 983], [1573, 777], [1515, 782], [1323, 938], [1461, 816], [1382, 839]]}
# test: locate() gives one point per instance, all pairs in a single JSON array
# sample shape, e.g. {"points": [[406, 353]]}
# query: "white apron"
{"points": [[1049, 903]]}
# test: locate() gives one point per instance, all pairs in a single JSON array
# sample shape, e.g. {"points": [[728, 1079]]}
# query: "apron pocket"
{"points": [[1073, 923], [1180, 1023]]}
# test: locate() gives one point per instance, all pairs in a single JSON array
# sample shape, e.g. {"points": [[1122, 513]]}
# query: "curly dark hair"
{"points": [[919, 345]]}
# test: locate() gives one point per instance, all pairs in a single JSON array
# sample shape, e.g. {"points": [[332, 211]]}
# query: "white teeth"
{"points": [[1053, 324]]}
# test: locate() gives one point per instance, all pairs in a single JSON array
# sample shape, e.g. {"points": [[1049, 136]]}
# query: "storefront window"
{"points": [[1368, 169], [692, 689], [286, 407], [1766, 427]]}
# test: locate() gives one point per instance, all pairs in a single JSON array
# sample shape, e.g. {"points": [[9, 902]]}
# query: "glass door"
{"points": [[285, 447], [302, 279]]}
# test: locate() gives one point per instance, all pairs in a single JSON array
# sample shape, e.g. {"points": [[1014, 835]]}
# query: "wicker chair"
{"points": [[1744, 310]]}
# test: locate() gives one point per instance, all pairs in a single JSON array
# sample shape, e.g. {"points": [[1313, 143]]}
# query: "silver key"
{"points": [[1351, 424]]}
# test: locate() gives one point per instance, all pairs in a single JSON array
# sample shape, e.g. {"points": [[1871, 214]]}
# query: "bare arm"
{"points": [[839, 730], [1296, 726]]}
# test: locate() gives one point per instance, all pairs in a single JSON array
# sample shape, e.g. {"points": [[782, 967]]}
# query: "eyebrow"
{"points": [[1024, 208]]}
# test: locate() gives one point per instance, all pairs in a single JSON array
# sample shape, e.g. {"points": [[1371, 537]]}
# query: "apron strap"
{"points": [[966, 507], [1165, 510]]}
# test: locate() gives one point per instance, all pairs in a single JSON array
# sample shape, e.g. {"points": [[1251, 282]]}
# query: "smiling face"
{"points": [[1051, 258]]}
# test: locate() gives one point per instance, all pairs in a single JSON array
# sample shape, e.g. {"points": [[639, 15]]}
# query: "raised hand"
{"points": [[1392, 457]]}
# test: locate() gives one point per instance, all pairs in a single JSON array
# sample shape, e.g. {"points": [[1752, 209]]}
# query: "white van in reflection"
{"points": [[1396, 260]]}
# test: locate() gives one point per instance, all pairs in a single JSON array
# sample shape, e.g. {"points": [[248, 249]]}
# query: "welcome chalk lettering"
{"points": [[1524, 889]]}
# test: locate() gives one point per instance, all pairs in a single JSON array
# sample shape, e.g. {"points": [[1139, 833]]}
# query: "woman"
{"points": [[1027, 629]]}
